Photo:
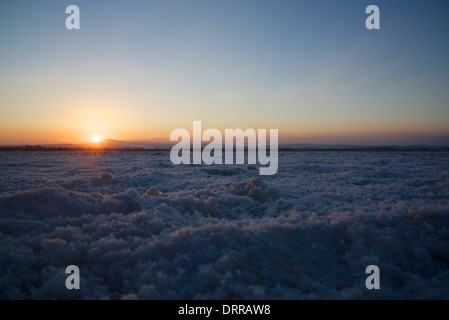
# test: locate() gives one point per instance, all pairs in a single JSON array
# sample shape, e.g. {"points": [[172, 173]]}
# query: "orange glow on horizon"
{"points": [[100, 124]]}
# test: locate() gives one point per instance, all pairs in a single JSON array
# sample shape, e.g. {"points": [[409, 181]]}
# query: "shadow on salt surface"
{"points": [[54, 202], [104, 183], [256, 189], [223, 172]]}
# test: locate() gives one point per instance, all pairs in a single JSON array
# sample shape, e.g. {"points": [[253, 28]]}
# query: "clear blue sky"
{"points": [[136, 70]]}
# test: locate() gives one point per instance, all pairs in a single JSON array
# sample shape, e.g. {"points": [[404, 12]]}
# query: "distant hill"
{"points": [[115, 144]]}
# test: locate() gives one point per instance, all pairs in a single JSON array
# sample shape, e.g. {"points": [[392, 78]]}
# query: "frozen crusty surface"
{"points": [[139, 227]]}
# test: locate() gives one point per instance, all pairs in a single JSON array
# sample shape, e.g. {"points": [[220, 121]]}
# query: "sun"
{"points": [[96, 139]]}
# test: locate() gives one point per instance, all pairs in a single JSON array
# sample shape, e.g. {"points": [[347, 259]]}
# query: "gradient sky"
{"points": [[136, 70]]}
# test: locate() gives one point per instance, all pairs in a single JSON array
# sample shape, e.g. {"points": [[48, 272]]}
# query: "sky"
{"points": [[136, 70]]}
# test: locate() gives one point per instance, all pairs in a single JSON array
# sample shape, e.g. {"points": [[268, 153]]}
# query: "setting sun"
{"points": [[96, 139]]}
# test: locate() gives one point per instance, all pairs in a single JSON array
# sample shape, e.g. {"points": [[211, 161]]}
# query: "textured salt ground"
{"points": [[138, 226]]}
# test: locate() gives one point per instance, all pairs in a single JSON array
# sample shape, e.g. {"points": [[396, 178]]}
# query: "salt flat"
{"points": [[139, 226]]}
